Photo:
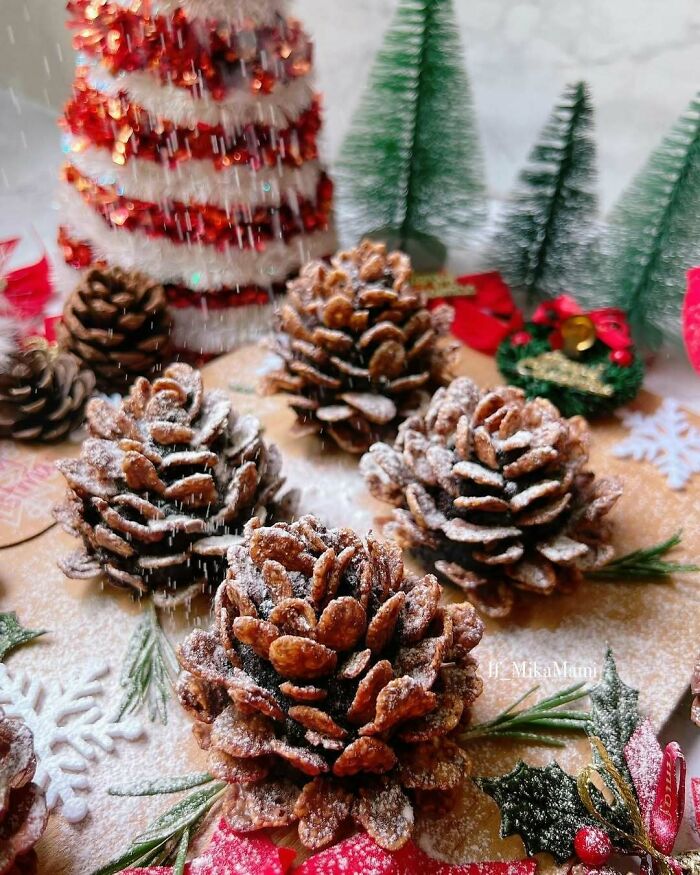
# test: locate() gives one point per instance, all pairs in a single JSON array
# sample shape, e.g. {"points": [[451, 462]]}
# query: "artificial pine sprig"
{"points": [[410, 170], [536, 722], [645, 564], [150, 669], [542, 245], [167, 840]]}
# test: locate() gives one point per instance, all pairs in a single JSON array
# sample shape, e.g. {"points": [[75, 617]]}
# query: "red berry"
{"points": [[593, 846], [520, 338], [623, 358]]}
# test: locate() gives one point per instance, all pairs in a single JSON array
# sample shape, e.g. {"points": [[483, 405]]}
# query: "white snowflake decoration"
{"points": [[71, 732], [666, 439]]}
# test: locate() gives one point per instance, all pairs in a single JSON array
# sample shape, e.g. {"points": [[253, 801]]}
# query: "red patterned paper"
{"points": [[691, 318]]}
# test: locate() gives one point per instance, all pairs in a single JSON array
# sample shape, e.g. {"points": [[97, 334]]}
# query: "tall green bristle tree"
{"points": [[543, 238], [410, 170], [653, 235]]}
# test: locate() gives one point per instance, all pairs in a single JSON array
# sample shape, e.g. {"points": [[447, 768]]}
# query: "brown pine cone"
{"points": [[330, 684], [493, 490], [117, 323], [359, 346], [23, 813], [165, 483], [42, 395]]}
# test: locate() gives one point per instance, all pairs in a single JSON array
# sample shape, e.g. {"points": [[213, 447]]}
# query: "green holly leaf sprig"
{"points": [[13, 634], [542, 805]]}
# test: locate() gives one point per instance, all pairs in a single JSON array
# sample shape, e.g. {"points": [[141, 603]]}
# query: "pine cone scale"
{"points": [[170, 477], [334, 665], [357, 352], [492, 490]]}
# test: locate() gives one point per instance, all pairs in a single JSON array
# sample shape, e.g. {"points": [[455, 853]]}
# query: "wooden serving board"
{"points": [[554, 641]]}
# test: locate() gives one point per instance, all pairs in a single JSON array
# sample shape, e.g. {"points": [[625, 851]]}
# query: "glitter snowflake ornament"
{"points": [[664, 438], [71, 732]]}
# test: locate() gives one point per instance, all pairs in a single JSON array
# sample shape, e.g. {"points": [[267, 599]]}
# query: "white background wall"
{"points": [[640, 57]]}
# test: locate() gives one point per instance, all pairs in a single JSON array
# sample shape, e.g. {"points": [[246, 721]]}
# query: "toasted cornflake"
{"points": [[316, 721], [277, 580], [250, 696], [385, 811], [249, 807], [364, 703], [417, 613], [342, 624], [355, 665], [433, 765], [257, 634], [303, 694], [322, 808], [365, 755], [294, 617], [236, 770], [241, 735], [202, 655], [400, 700], [383, 625], [300, 658]]}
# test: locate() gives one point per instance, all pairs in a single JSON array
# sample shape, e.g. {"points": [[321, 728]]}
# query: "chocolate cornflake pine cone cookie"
{"points": [[23, 812], [360, 348], [116, 323], [42, 395], [164, 486], [493, 491], [330, 684]]}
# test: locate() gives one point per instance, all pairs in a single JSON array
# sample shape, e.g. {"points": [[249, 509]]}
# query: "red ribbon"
{"points": [[27, 289], [486, 315], [667, 811], [610, 323]]}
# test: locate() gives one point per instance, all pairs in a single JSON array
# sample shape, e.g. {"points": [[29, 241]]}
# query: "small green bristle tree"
{"points": [[410, 170], [543, 238], [653, 235]]}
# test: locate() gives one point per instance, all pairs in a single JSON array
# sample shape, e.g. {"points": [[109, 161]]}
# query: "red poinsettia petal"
{"points": [[359, 854], [232, 854], [411, 860]]}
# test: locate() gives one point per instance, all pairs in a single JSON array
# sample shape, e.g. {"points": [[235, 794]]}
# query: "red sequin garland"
{"points": [[128, 130], [197, 55], [238, 228]]}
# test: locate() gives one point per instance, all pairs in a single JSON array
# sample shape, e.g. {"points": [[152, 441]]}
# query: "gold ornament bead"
{"points": [[579, 335]]}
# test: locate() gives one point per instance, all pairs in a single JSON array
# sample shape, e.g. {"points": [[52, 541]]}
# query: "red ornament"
{"points": [[623, 358], [593, 846], [520, 338], [691, 318]]}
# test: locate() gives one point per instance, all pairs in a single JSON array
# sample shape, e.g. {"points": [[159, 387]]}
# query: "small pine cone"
{"points": [[330, 684], [164, 484], [492, 489], [117, 323], [23, 812], [359, 347], [42, 395]]}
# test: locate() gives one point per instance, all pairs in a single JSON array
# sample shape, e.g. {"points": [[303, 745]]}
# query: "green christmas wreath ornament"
{"points": [[583, 362]]}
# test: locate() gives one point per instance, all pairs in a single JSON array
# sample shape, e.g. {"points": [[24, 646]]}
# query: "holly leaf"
{"points": [[614, 715], [542, 806], [13, 634]]}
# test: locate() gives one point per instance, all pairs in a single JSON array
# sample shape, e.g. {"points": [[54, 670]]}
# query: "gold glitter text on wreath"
{"points": [[558, 368]]}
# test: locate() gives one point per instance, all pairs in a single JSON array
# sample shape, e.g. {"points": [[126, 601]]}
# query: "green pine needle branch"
{"points": [[645, 564], [544, 241], [13, 634], [410, 171], [149, 671], [653, 235], [166, 841], [536, 722]]}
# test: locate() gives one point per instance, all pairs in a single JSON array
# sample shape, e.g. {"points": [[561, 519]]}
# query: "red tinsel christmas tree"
{"points": [[191, 144]]}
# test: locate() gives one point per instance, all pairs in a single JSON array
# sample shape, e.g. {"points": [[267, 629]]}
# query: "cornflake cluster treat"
{"points": [[493, 490], [359, 346], [116, 323], [23, 812], [42, 395], [330, 684], [164, 484]]}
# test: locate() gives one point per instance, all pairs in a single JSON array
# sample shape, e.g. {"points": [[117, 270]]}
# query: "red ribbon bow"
{"points": [[611, 326]]}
